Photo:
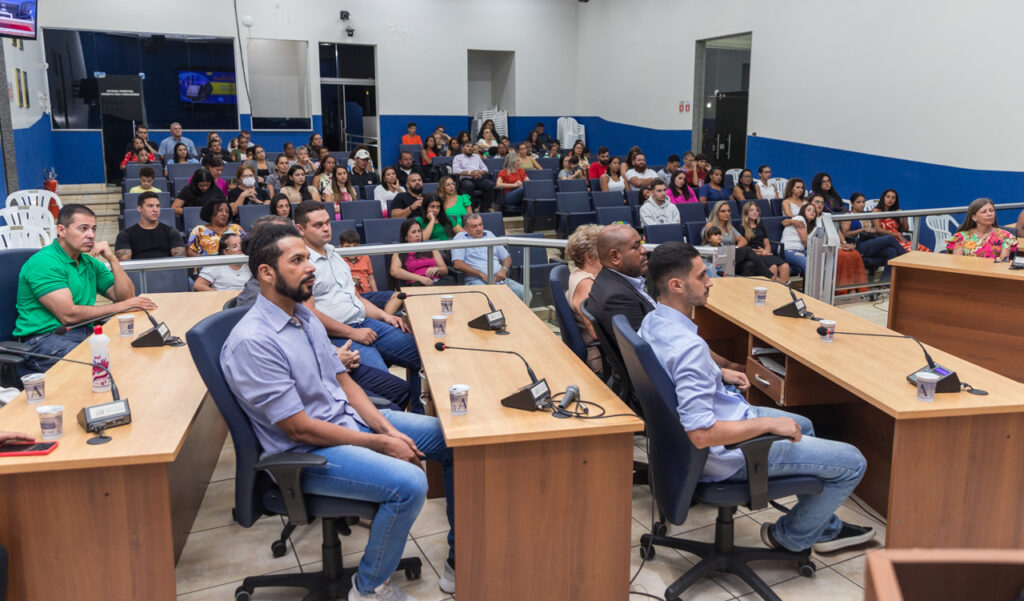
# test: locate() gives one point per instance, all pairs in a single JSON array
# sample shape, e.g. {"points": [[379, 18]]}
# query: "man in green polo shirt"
{"points": [[58, 287]]}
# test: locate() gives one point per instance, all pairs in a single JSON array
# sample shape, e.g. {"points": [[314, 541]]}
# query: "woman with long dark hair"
{"points": [[296, 189], [745, 188], [794, 236], [747, 262], [434, 220], [425, 268], [890, 201], [821, 185], [757, 239]]}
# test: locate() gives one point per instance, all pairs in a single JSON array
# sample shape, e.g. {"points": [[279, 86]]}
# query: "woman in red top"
{"points": [[138, 146], [429, 150], [511, 179], [422, 268]]}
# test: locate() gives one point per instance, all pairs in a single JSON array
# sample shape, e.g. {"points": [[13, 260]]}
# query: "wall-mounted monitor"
{"points": [[206, 87], [18, 19]]}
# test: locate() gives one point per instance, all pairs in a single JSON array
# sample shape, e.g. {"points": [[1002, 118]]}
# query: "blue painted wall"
{"points": [[3, 179], [33, 147]]}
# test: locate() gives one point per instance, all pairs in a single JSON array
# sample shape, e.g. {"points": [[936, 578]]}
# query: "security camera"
{"points": [[351, 31], [345, 15]]}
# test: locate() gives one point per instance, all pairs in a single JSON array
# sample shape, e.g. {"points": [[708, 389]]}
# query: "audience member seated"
{"points": [[361, 173], [303, 159], [238, 147], [473, 261], [488, 140], [757, 238], [261, 167], [821, 185], [581, 152], [316, 144], [890, 201], [699, 170], [714, 190], [149, 239], [488, 124], [794, 236], [581, 249], [764, 173], [526, 158], [362, 273], [341, 190], [679, 190], [473, 177], [430, 151], [441, 136], [411, 137], [745, 189], [554, 151], [180, 156], [300, 398], [747, 262], [714, 416], [146, 176], [295, 187], [619, 285], [870, 242], [671, 166], [612, 179], [277, 179], [322, 181], [204, 239], [289, 152], [597, 169], [503, 149], [224, 277], [216, 167], [638, 175], [406, 203], [406, 167], [457, 206], [571, 168], [980, 234], [543, 139], [511, 181], [215, 150], [58, 285], [248, 191], [379, 336], [141, 131], [657, 209], [167, 145], [281, 206], [199, 191], [434, 220], [426, 268], [792, 200], [388, 189], [138, 153]]}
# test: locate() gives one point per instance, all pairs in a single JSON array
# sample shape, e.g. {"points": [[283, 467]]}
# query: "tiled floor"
{"points": [[219, 553]]}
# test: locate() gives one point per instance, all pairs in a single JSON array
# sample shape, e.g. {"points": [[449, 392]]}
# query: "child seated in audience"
{"points": [[362, 273], [554, 151], [146, 177], [712, 236]]}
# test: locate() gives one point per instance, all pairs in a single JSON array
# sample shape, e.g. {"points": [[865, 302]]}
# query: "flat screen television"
{"points": [[18, 19], [206, 87]]}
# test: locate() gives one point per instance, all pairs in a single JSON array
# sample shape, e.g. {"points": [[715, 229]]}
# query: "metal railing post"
{"points": [[490, 264], [526, 276], [915, 231]]}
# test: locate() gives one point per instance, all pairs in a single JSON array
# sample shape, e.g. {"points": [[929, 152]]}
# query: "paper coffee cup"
{"points": [[440, 325]]}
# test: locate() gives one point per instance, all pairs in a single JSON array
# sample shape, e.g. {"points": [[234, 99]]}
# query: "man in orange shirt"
{"points": [[362, 273], [411, 137]]}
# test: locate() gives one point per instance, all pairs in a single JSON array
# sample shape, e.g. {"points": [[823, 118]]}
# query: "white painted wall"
{"points": [[278, 78]]}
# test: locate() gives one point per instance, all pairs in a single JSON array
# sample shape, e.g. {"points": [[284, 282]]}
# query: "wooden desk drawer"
{"points": [[766, 381]]}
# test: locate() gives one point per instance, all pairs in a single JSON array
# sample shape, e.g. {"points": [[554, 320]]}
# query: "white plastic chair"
{"points": [[732, 177], [869, 205], [939, 225], [779, 183], [23, 236], [30, 215], [36, 198]]}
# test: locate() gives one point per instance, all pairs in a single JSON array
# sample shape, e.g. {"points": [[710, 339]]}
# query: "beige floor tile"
{"points": [[826, 584], [222, 555], [636, 530], [423, 589], [668, 565], [226, 592], [216, 508], [225, 469], [846, 513], [308, 540], [878, 315], [642, 503], [432, 519], [435, 550], [852, 569]]}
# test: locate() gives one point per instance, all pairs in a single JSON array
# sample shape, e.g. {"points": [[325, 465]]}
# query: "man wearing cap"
{"points": [[361, 174]]}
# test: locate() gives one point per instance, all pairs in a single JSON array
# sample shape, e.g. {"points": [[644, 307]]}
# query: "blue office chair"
{"points": [[611, 198], [494, 222], [272, 486], [11, 262], [659, 233], [558, 282], [573, 210], [248, 214], [676, 467], [610, 215], [538, 204], [572, 185]]}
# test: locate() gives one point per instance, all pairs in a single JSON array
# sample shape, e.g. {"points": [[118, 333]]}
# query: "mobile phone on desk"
{"points": [[14, 449]]}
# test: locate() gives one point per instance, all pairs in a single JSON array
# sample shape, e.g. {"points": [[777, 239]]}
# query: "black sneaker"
{"points": [[768, 537], [851, 535]]}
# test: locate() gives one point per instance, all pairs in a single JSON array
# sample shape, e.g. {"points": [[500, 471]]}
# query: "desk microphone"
{"points": [[797, 308], [494, 320], [158, 335], [94, 419], [948, 380], [529, 398], [572, 393]]}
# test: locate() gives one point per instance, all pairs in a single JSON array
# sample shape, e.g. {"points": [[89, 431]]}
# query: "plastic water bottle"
{"points": [[99, 347]]}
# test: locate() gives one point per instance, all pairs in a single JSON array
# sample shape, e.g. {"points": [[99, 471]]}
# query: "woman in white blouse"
{"points": [[224, 277], [388, 189]]}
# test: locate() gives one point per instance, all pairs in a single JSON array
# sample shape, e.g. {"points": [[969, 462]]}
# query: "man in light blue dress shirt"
{"points": [[473, 261], [285, 372], [714, 416]]}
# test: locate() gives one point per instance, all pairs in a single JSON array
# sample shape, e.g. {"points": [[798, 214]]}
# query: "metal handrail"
{"points": [[918, 212]]}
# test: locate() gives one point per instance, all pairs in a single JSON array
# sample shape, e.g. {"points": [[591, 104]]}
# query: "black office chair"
{"points": [[676, 467], [11, 262], [616, 376], [271, 486]]}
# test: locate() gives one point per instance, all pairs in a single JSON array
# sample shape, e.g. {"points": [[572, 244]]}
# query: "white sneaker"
{"points": [[384, 592], [447, 582]]}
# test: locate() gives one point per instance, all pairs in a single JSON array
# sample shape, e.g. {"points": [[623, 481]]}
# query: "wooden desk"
{"points": [[542, 504], [109, 521], [943, 575], [968, 306], [945, 474]]}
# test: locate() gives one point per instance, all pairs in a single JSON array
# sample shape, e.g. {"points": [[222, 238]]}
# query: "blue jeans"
{"points": [[51, 344], [392, 347], [797, 259], [839, 465], [399, 487], [882, 247], [513, 285], [379, 298], [514, 199], [381, 383]]}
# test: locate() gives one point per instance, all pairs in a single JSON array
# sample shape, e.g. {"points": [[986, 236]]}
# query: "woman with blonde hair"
{"points": [[581, 249]]}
